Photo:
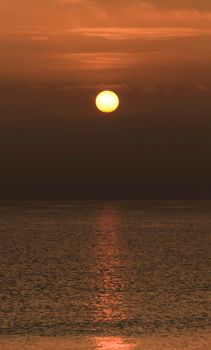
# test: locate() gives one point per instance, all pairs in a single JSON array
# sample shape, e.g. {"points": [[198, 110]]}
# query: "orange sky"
{"points": [[60, 37], [57, 54]]}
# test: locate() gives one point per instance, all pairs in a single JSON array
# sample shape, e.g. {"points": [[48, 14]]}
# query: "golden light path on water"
{"points": [[110, 306], [112, 343]]}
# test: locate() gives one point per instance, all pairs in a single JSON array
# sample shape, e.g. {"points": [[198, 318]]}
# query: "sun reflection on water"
{"points": [[110, 305], [112, 343]]}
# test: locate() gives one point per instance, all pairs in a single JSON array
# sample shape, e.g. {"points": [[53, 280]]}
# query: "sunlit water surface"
{"points": [[104, 273]]}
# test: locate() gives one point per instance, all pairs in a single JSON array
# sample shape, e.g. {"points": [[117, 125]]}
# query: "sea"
{"points": [[105, 275]]}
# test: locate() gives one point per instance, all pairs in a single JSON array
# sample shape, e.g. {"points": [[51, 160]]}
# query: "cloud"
{"points": [[63, 14], [85, 35], [201, 87], [204, 5], [140, 33], [100, 86], [39, 38]]}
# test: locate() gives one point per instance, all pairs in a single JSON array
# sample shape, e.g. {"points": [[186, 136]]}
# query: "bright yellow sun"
{"points": [[107, 101]]}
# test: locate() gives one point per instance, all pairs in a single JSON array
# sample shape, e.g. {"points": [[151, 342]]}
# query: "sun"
{"points": [[107, 101]]}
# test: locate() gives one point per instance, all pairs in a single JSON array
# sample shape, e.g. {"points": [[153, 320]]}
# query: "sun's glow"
{"points": [[107, 101]]}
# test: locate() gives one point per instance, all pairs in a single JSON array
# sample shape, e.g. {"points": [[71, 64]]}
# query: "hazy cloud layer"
{"points": [[202, 5], [60, 14], [141, 33], [164, 4]]}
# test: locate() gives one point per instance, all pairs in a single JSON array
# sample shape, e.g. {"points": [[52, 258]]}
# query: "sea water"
{"points": [[91, 271]]}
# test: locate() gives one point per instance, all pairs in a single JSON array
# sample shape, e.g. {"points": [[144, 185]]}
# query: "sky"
{"points": [[56, 55]]}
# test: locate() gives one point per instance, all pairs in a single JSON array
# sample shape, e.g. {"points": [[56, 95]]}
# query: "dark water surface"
{"points": [[130, 268]]}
